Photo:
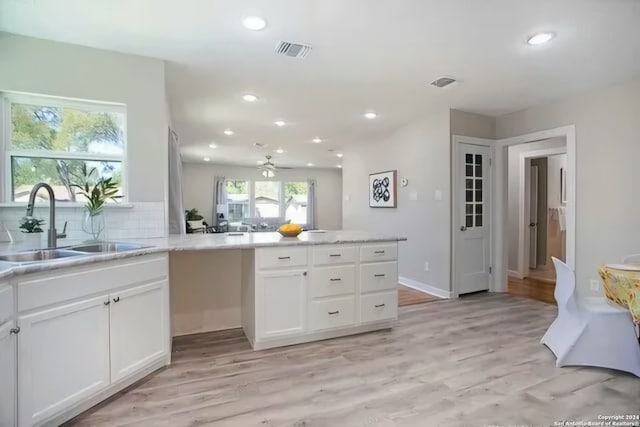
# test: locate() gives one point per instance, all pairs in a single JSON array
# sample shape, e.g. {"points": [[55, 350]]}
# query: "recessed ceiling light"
{"points": [[309, 164], [340, 155], [228, 132], [317, 140], [213, 146], [279, 123], [370, 115], [339, 166], [249, 97], [540, 38], [279, 151], [254, 23], [206, 159]]}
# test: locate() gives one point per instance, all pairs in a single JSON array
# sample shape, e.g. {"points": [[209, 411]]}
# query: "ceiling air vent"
{"points": [[293, 50], [442, 82]]}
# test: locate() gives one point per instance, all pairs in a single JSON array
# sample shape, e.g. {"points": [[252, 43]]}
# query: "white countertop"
{"points": [[192, 242]]}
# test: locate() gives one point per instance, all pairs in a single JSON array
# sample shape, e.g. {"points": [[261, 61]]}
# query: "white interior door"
{"points": [[473, 192], [533, 217]]}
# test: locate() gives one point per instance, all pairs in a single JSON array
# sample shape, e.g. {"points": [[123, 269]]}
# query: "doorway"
{"points": [[536, 216]]}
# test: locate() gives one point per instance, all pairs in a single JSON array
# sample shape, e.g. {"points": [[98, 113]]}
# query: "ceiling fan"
{"points": [[268, 169]]}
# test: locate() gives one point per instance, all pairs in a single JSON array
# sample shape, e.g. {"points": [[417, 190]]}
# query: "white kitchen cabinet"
{"points": [[8, 374], [280, 303], [63, 357], [138, 328]]}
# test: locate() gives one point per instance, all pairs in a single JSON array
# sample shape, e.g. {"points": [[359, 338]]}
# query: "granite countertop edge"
{"points": [[193, 243]]}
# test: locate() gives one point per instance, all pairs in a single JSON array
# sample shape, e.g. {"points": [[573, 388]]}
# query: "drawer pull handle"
{"points": [[335, 255], [378, 252], [379, 275], [335, 280], [284, 257], [116, 299], [107, 302], [333, 312], [379, 305], [15, 330]]}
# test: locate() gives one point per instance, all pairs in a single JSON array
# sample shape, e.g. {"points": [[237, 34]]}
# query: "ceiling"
{"points": [[367, 55]]}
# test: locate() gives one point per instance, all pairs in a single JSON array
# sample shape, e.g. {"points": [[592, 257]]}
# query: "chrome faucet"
{"points": [[52, 234]]}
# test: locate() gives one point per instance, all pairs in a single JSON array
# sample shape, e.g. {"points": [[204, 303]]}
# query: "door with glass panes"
{"points": [[473, 230]]}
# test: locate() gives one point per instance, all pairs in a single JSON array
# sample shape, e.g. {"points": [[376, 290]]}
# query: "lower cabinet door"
{"points": [[7, 375], [139, 328], [63, 355], [280, 303]]}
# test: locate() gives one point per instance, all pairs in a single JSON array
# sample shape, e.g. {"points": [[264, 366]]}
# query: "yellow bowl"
{"points": [[292, 233]]}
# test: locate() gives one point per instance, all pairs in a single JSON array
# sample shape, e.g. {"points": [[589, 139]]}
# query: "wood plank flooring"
{"points": [[408, 296], [474, 361], [534, 287]]}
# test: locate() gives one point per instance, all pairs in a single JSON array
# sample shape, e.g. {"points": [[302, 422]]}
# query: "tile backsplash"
{"points": [[135, 220]]}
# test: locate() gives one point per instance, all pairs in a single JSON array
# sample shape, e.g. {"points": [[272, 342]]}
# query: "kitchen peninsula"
{"points": [[88, 326]]}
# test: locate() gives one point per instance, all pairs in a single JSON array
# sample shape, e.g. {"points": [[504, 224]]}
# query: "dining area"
{"points": [[598, 331]]}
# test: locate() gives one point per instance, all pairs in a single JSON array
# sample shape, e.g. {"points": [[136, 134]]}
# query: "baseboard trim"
{"points": [[516, 274], [423, 287]]}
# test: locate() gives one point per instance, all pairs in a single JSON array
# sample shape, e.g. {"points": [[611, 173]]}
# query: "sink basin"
{"points": [[38, 255], [104, 247]]}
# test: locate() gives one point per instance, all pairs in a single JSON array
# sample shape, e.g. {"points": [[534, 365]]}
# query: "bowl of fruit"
{"points": [[290, 230]]}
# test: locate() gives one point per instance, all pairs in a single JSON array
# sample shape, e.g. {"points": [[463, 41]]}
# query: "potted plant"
{"points": [[32, 227], [194, 219], [97, 192]]}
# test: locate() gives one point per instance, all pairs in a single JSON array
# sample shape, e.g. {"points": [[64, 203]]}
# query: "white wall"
{"points": [[59, 69], [608, 179], [420, 151], [516, 177], [198, 188]]}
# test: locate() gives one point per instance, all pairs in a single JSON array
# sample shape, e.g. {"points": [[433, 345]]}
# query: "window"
{"points": [[267, 199], [296, 199], [237, 201], [51, 140]]}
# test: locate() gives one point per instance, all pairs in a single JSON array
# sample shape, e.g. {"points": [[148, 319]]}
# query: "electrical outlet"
{"points": [[426, 266], [595, 285]]}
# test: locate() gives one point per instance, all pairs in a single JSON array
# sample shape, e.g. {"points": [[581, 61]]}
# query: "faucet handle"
{"points": [[64, 231]]}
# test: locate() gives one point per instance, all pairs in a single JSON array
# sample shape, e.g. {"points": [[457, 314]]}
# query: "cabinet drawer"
{"points": [[378, 276], [327, 255], [383, 252], [6, 302], [330, 281], [281, 257], [379, 306], [332, 313]]}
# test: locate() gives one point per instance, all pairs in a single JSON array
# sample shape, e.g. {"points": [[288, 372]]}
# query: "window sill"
{"points": [[64, 205]]}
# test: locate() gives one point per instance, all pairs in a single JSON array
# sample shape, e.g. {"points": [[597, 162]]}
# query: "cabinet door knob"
{"points": [[15, 330], [116, 299], [304, 274], [107, 302]]}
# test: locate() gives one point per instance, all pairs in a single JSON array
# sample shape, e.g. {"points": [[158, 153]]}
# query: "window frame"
{"points": [[7, 152], [251, 189]]}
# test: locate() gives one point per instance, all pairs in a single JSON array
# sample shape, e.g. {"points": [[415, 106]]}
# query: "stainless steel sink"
{"points": [[105, 247], [39, 255]]}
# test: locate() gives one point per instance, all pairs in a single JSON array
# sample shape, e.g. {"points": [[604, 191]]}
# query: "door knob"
{"points": [[533, 224], [463, 228]]}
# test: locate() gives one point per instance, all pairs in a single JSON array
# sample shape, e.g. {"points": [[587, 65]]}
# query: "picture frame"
{"points": [[383, 189], [563, 185]]}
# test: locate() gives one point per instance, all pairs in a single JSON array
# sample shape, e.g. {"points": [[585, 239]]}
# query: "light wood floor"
{"points": [[474, 361], [408, 296]]}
